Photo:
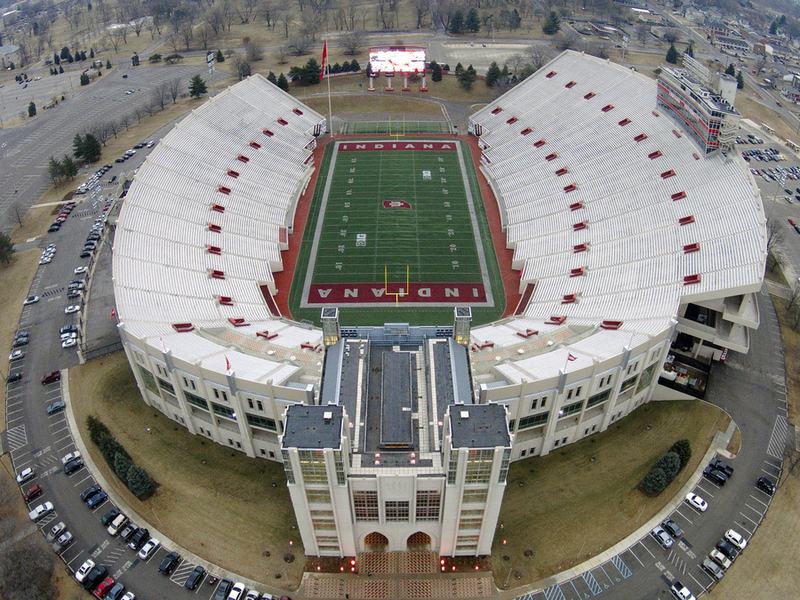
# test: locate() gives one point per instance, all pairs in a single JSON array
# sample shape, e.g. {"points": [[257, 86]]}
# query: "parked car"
{"points": [[717, 477], [129, 596], [223, 590], [713, 569], [26, 475], [680, 591], [116, 525], [138, 538], [79, 270], [55, 531], [128, 531], [16, 355], [672, 528], [14, 377], [727, 549], [149, 548], [41, 511], [104, 587], [252, 595], [30, 300], [736, 538], [169, 563], [237, 591], [72, 466], [68, 457], [115, 593], [719, 558], [51, 377], [95, 576], [721, 465], [696, 502], [55, 407], [766, 485], [32, 492], [63, 541], [97, 500], [110, 516], [84, 570], [195, 577], [662, 537], [72, 308]]}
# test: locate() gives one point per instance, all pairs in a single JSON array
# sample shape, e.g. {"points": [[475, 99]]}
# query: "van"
{"points": [[117, 524]]}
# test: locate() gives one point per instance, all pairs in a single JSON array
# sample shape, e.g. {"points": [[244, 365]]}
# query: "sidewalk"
{"points": [[134, 516], [718, 445]]}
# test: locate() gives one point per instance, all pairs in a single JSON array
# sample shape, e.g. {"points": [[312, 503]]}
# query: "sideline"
{"points": [[120, 503], [718, 445]]}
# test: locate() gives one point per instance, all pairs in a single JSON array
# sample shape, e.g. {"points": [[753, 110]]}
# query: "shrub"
{"points": [[122, 465], [140, 483], [654, 482], [670, 463], [684, 451]]}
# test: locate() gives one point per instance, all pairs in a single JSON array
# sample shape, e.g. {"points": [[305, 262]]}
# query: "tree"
{"points": [[65, 54], [56, 59], [459, 69], [160, 94], [672, 55], [670, 35], [739, 81], [122, 466], [730, 70], [85, 79], [242, 67], [91, 52], [197, 87], [436, 71], [670, 463], [492, 74], [54, 170], [467, 77], [32, 109], [252, 52], [690, 49], [773, 28], [553, 24], [77, 146], [307, 74], [68, 167], [473, 21], [174, 88], [654, 482], [108, 63], [457, 22], [283, 83], [274, 80], [354, 66], [352, 42], [60, 68], [140, 483], [220, 56], [684, 451], [6, 248], [90, 149]]}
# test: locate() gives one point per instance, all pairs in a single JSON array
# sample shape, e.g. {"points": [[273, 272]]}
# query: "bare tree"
{"points": [[282, 53], [568, 40], [253, 52], [670, 35], [19, 211], [215, 20], [286, 19], [299, 45], [537, 56], [174, 88], [160, 94], [774, 239], [352, 42], [204, 35], [186, 34], [643, 33], [245, 10], [421, 9], [228, 13]]}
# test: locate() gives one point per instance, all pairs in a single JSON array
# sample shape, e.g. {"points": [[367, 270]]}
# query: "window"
{"points": [[570, 409], [326, 524], [452, 468], [263, 422], [428, 505], [504, 466], [627, 384], [287, 467], [479, 466], [598, 398], [646, 378], [472, 496], [533, 421], [312, 466], [522, 453], [396, 510], [470, 523], [365, 504], [250, 403], [196, 400], [223, 411], [149, 380], [166, 386], [318, 496], [337, 459]]}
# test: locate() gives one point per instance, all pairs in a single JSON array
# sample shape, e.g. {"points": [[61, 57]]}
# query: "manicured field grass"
{"points": [[433, 241], [398, 127]]}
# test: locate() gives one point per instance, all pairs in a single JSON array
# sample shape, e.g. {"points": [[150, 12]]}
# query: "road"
{"points": [[25, 150]]}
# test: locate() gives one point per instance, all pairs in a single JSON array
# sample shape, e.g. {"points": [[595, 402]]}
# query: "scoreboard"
{"points": [[401, 60]]}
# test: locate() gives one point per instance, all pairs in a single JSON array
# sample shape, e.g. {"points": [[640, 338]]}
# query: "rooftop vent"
{"points": [[328, 416], [464, 414]]}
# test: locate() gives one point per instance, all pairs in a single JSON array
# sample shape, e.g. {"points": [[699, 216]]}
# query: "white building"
{"points": [[638, 254]]}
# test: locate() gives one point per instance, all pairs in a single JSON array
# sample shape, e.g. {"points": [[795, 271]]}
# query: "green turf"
{"points": [[420, 238], [395, 127]]}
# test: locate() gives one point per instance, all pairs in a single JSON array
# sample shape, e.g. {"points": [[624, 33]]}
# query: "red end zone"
{"points": [[419, 293], [373, 146]]}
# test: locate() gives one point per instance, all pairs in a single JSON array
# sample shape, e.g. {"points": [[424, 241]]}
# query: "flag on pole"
{"points": [[227, 364], [324, 59], [571, 357], [113, 313]]}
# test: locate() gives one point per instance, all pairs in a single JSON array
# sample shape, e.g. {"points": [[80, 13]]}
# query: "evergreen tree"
{"points": [[354, 66], [77, 146], [467, 77], [739, 81], [672, 55], [122, 466], [140, 483], [91, 52], [220, 56], [553, 24], [65, 55], [56, 59], [684, 451], [68, 167], [108, 64], [32, 109], [197, 87], [690, 49], [54, 170], [60, 69], [272, 79], [654, 482], [6, 248], [85, 79], [493, 74], [457, 22], [459, 69], [90, 148], [283, 83], [670, 463], [773, 28], [472, 22], [436, 71], [83, 54], [730, 70]]}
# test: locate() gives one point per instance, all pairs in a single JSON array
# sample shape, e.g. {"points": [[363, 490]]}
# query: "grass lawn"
{"points": [[398, 106], [15, 280], [431, 232], [768, 569], [218, 503], [755, 111], [593, 482]]}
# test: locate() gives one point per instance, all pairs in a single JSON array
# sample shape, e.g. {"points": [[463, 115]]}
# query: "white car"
{"points": [[129, 596], [16, 355], [79, 270], [72, 308], [150, 144], [696, 502], [149, 548], [236, 591], [719, 558], [681, 592], [26, 475], [83, 570], [69, 456], [69, 343], [252, 595], [40, 511], [736, 538], [31, 300]]}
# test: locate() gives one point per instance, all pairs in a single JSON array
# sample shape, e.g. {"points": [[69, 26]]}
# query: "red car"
{"points": [[32, 492], [104, 587], [791, 222], [51, 377]]}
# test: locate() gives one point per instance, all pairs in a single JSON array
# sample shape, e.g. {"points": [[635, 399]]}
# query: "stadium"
{"points": [[480, 298]]}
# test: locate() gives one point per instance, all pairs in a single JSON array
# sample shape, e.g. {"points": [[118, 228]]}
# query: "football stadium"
{"points": [[396, 318]]}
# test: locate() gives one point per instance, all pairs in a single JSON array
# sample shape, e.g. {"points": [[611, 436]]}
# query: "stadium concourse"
{"points": [[626, 238]]}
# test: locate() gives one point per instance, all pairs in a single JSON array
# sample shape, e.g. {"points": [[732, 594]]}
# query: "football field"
{"points": [[396, 224]]}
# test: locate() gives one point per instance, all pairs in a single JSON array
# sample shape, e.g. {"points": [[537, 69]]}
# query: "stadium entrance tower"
{"points": [[397, 455]]}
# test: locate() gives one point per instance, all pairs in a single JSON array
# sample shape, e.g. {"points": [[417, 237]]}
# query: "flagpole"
{"points": [[330, 110]]}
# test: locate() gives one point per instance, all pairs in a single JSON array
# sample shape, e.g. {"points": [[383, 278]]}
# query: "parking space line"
{"points": [[759, 513], [702, 587], [678, 511], [88, 476], [765, 504], [641, 542], [634, 555], [704, 490]]}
